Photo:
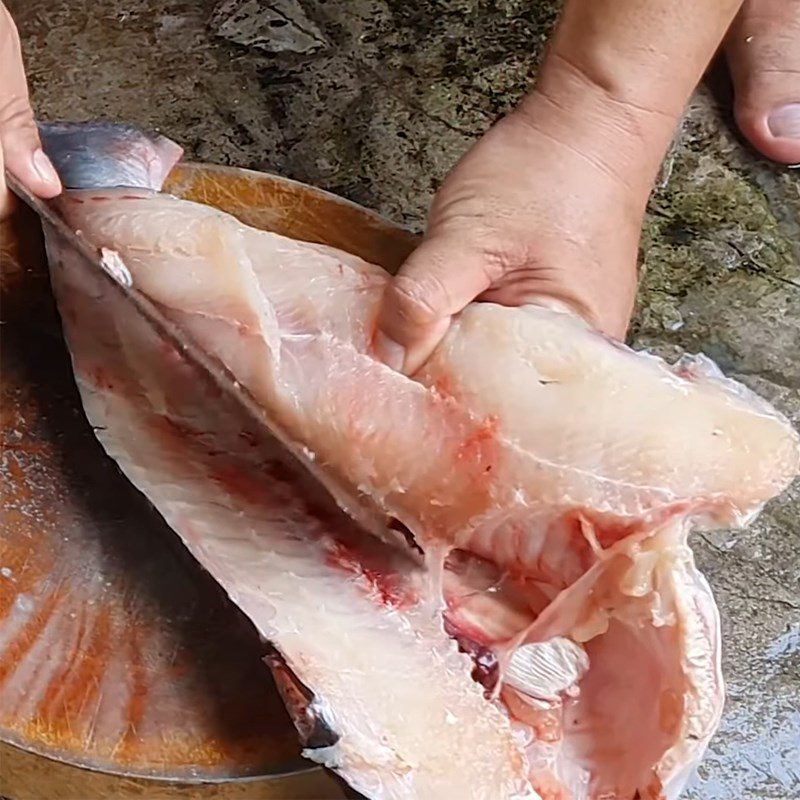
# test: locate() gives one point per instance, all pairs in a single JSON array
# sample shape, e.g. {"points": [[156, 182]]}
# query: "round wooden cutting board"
{"points": [[124, 670]]}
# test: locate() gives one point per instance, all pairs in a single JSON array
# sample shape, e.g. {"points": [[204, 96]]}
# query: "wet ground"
{"points": [[375, 99]]}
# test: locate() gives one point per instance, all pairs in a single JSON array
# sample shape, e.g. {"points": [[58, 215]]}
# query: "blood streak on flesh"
{"points": [[477, 446], [387, 588], [486, 670]]}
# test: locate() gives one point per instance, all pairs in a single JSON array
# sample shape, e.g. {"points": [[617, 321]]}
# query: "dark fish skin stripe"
{"points": [[104, 155], [313, 730]]}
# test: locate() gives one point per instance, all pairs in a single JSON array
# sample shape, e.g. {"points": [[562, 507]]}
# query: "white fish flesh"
{"points": [[546, 480]]}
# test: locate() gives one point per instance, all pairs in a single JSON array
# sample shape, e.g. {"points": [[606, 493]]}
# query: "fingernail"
{"points": [[390, 352], [784, 122], [44, 168]]}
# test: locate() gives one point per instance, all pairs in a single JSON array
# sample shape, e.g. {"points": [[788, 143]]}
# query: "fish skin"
{"points": [[563, 477], [101, 155]]}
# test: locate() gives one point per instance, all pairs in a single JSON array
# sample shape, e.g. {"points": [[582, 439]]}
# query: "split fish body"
{"points": [[546, 477]]}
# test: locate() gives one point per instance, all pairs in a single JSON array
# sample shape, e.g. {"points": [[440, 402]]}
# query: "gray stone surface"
{"points": [[278, 27], [392, 95]]}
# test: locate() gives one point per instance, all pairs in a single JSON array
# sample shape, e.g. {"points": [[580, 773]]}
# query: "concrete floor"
{"points": [[374, 99]]}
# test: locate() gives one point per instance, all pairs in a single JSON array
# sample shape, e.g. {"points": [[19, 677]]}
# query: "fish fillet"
{"points": [[546, 477]]}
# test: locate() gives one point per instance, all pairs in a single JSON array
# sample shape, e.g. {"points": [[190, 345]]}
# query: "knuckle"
{"points": [[16, 117], [498, 258], [419, 300], [16, 110]]}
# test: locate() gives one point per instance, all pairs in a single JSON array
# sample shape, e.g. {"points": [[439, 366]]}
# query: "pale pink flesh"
{"points": [[527, 439], [342, 608], [526, 415]]}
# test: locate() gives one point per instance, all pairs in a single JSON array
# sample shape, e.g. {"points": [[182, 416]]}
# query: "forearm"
{"points": [[627, 67]]}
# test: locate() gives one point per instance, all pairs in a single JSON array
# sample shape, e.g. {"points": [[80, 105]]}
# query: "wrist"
{"points": [[613, 133]]}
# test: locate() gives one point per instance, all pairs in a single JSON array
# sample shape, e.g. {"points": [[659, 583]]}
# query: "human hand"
{"points": [[20, 150], [522, 218], [548, 205]]}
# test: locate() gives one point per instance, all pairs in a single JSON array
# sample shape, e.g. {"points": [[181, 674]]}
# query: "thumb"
{"points": [[442, 276], [19, 138]]}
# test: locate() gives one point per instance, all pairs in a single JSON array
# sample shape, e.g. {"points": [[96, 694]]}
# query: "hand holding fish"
{"points": [[549, 204], [501, 231], [20, 150]]}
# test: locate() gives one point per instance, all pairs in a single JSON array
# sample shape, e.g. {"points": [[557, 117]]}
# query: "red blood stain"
{"points": [[444, 386], [385, 586], [102, 379], [240, 483], [486, 670], [479, 448]]}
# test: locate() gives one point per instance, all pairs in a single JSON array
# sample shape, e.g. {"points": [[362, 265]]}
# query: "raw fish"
{"points": [[477, 579]]}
